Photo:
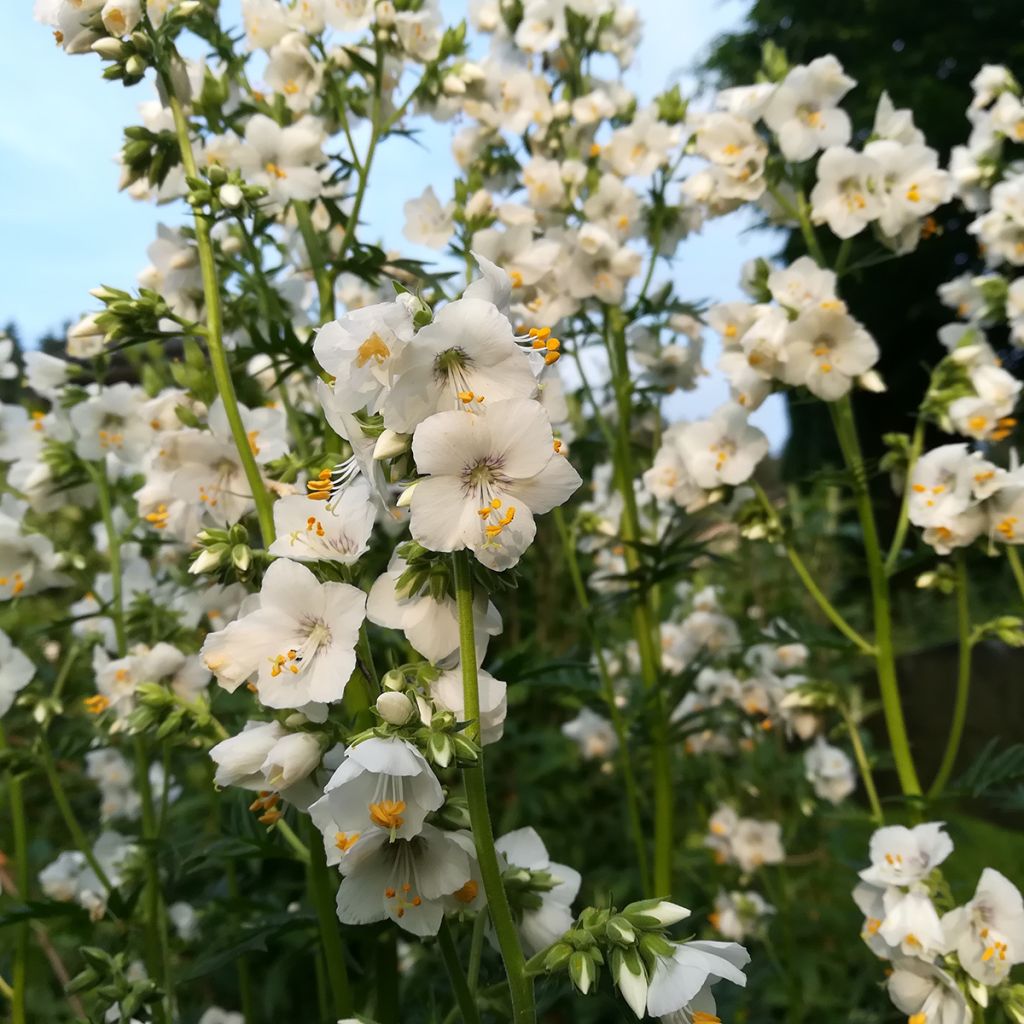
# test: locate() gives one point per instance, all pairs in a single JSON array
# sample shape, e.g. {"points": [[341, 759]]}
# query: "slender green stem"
{"points": [[963, 678], [1013, 557], [386, 1009], [450, 955], [99, 477], [608, 690], [864, 766], [214, 335], [476, 949], [885, 657], [19, 828], [902, 521], [298, 847], [245, 994], [324, 900], [831, 612], [317, 263], [807, 229], [643, 620], [520, 986]]}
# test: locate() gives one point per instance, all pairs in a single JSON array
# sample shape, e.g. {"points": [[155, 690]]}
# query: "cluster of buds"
{"points": [[124, 318], [130, 52], [220, 190], [628, 942], [148, 154], [160, 709], [226, 552], [115, 981]]}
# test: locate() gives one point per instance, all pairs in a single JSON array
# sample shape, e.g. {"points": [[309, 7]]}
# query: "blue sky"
{"points": [[67, 229]]}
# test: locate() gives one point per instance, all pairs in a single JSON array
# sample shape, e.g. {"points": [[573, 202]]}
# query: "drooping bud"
{"points": [[655, 913]]}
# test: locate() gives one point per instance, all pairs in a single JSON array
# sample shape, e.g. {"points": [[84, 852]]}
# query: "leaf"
{"points": [[993, 767]]}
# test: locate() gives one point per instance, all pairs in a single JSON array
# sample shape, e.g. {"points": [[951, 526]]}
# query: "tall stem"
{"points": [[916, 444], [450, 955], [885, 657], [19, 827], [334, 951], [614, 712], [864, 766], [214, 336], [519, 983], [643, 618], [317, 262], [1015, 565], [963, 678]]}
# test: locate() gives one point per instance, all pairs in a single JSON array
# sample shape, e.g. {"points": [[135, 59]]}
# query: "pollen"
{"points": [[272, 169], [291, 87], [96, 704], [913, 194], [387, 813], [251, 436], [465, 396], [557, 445], [313, 525], [516, 278], [320, 488], [344, 841], [158, 517], [467, 893], [373, 348], [495, 528], [700, 1017]]}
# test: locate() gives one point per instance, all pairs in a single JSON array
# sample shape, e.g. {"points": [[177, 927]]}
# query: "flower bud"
{"points": [[109, 48], [390, 444], [655, 913], [187, 8], [241, 556], [394, 679], [405, 498], [872, 381], [439, 746], [395, 708], [621, 931], [230, 196], [557, 956], [206, 560], [631, 979], [582, 972], [291, 759], [135, 66]]}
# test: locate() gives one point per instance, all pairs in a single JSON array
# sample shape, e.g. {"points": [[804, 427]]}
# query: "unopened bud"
{"points": [[135, 66], [405, 498], [390, 443], [394, 679], [395, 708], [109, 48]]}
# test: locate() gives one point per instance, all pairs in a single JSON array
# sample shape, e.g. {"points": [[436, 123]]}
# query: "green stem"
{"points": [[902, 521], [1018, 570], [885, 657], [864, 766], [963, 678], [334, 951], [99, 477], [807, 229], [317, 262], [476, 949], [245, 994], [520, 986], [214, 335], [614, 712], [19, 827], [298, 847], [386, 966], [643, 620], [831, 613], [450, 955]]}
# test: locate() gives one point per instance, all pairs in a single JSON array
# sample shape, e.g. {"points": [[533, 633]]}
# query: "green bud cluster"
{"points": [[160, 712], [218, 191], [226, 553], [108, 978], [128, 317]]}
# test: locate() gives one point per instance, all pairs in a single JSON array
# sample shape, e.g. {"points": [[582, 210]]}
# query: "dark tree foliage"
{"points": [[925, 55]]}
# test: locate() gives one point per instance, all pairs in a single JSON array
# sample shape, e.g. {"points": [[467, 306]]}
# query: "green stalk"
{"points": [[963, 678], [831, 612], [334, 951], [643, 620], [385, 1009], [19, 826], [614, 712], [317, 262], [916, 444], [864, 766], [520, 985], [885, 658], [476, 949], [245, 995], [298, 847], [450, 956], [1018, 570], [214, 335]]}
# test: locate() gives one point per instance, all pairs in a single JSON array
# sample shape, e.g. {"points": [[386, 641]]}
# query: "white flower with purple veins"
{"points": [[337, 530], [431, 625], [845, 196], [468, 356], [722, 450], [406, 880], [539, 927], [988, 933], [360, 351], [299, 644], [486, 475], [283, 160], [825, 351], [383, 784], [902, 856], [680, 988], [803, 111]]}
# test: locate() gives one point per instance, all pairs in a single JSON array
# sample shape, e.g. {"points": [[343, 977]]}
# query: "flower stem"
{"points": [[299, 848], [19, 827], [864, 766], [1015, 564], [334, 951], [643, 619], [614, 712], [916, 443], [450, 955], [520, 985], [831, 612], [317, 263], [885, 658], [214, 335], [963, 678]]}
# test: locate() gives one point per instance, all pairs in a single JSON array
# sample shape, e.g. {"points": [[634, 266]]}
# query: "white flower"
{"points": [[830, 771], [681, 984], [911, 924], [406, 880], [902, 856], [383, 784], [282, 159], [825, 350], [723, 449], [240, 759], [740, 914], [487, 474], [16, 672], [467, 356], [910, 187], [447, 694], [755, 843], [335, 531], [804, 285], [299, 643], [927, 994], [844, 196], [988, 933], [539, 927], [803, 110], [427, 222], [596, 737], [291, 759], [430, 624]]}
